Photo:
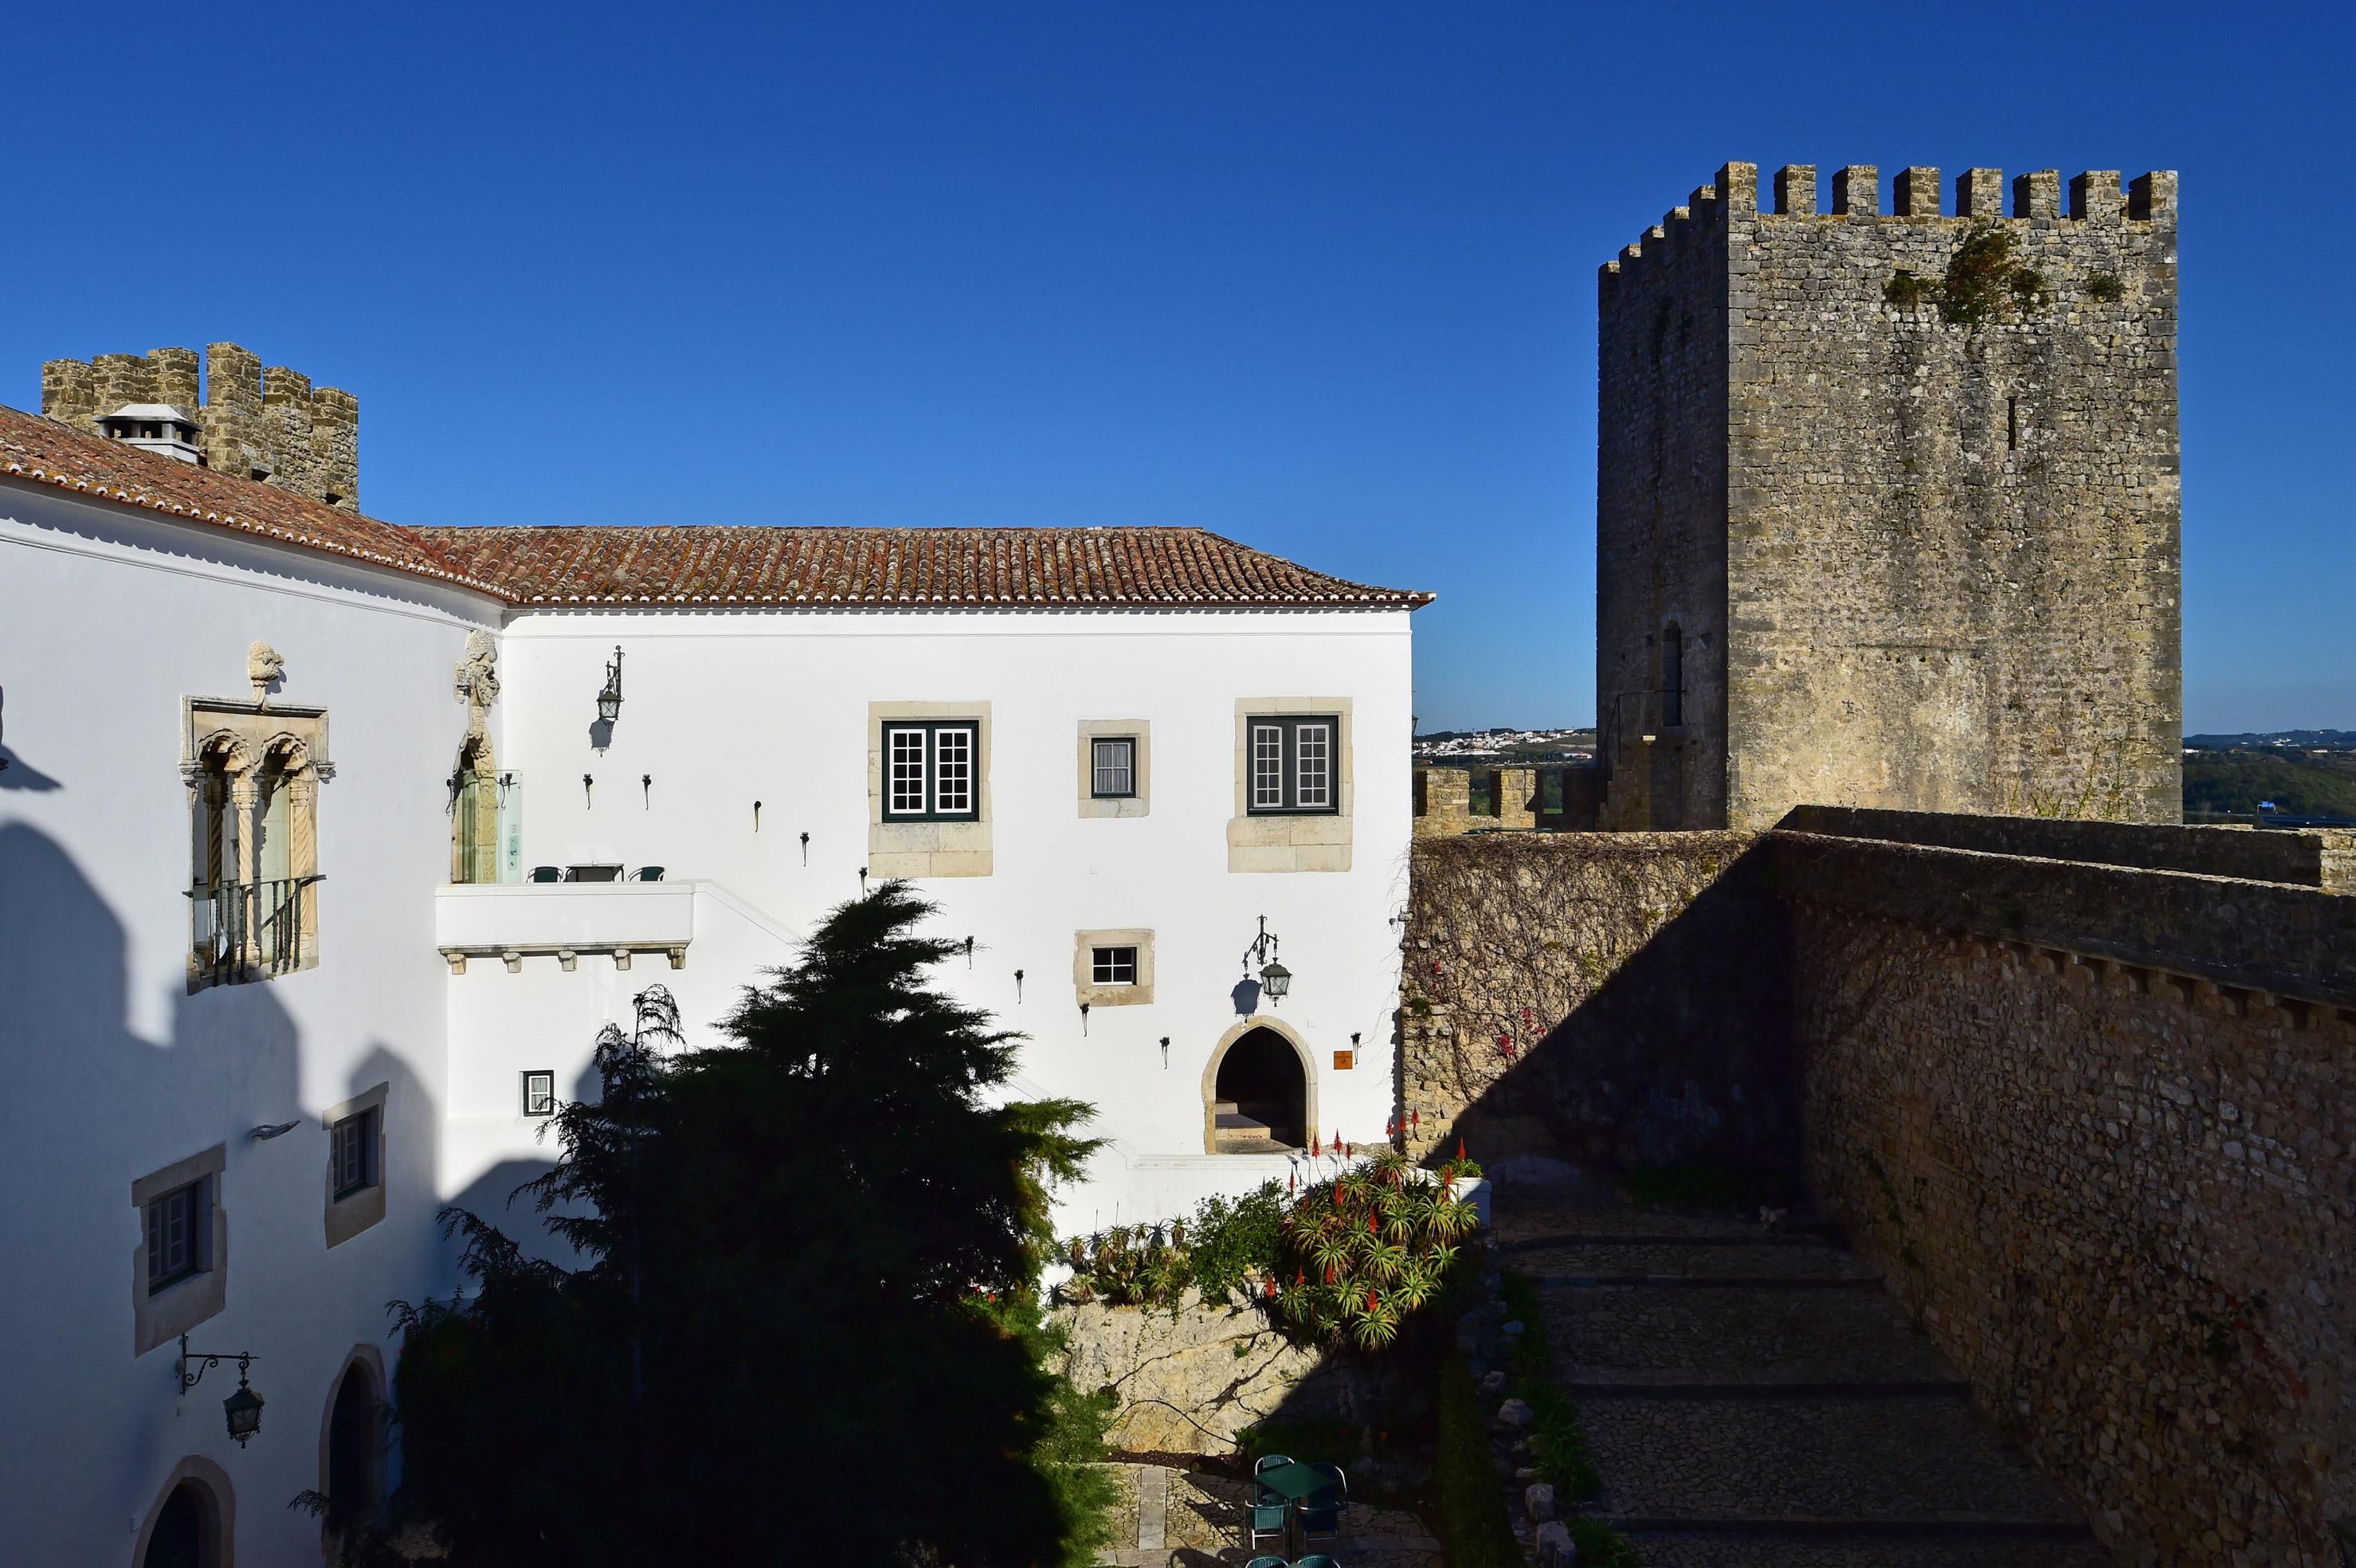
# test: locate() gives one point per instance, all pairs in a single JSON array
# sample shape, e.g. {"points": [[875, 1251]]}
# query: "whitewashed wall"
{"points": [[108, 616], [725, 709]]}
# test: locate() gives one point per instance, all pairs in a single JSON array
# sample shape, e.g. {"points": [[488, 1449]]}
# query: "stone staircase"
{"points": [[1756, 1397], [1238, 1134]]}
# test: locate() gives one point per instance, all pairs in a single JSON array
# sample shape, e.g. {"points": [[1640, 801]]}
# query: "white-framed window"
{"points": [[351, 1153], [539, 1092], [179, 1234], [1293, 764], [1112, 966], [1112, 767], [929, 767]]}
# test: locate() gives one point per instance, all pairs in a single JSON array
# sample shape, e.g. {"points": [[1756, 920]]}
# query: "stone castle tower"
{"points": [[263, 424], [1887, 506]]}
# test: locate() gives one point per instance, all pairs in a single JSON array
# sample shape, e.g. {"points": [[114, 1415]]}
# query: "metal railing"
{"points": [[245, 928]]}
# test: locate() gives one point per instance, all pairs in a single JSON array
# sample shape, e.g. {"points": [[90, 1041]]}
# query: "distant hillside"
{"points": [[2298, 785], [2326, 740]]}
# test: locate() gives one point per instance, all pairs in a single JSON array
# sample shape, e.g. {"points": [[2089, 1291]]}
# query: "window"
{"points": [[929, 771], [540, 1093], [1672, 678], [252, 775], [1113, 966], [1113, 969], [351, 1145], [1292, 766], [179, 1234], [1112, 769]]}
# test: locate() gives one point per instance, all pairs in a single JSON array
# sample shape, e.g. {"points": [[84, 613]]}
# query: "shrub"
{"points": [[1347, 1260], [1600, 1546], [2105, 287], [1904, 290], [1471, 1504]]}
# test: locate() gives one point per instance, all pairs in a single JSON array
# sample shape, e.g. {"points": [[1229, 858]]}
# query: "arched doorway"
{"points": [[355, 1461], [188, 1527], [1258, 1093]]}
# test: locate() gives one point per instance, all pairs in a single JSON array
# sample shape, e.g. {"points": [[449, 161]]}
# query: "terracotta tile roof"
{"points": [[1009, 567], [47, 452], [997, 567]]}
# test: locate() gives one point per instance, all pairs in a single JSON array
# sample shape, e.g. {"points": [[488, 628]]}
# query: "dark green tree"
{"points": [[803, 1326]]}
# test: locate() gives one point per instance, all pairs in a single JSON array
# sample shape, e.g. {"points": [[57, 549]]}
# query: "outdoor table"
{"points": [[1294, 1482]]}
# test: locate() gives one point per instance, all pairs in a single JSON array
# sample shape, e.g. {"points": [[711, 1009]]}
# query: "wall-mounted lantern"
{"points": [[242, 1409], [609, 701], [1084, 1018], [1274, 978]]}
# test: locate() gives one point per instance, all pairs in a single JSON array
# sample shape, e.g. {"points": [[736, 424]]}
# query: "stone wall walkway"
{"points": [[1756, 1397]]}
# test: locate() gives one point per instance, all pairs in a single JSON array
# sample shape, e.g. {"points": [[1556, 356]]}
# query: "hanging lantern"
{"points": [[1276, 980], [609, 700], [244, 1412]]}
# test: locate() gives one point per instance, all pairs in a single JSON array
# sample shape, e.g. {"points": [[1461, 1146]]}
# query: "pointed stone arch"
{"points": [[216, 1500], [1264, 1025], [352, 1447]]}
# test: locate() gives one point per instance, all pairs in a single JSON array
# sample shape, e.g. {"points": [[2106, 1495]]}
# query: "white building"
{"points": [[281, 788]]}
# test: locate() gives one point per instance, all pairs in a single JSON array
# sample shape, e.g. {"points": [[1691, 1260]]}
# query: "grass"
{"points": [[1471, 1505], [1556, 1441]]}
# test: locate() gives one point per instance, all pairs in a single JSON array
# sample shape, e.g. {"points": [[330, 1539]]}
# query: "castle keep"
{"points": [[270, 426], [1887, 505]]}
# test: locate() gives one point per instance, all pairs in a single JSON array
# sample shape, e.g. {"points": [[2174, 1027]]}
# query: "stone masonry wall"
{"points": [[2125, 1208], [2096, 1122], [1947, 549], [1599, 1000], [271, 425]]}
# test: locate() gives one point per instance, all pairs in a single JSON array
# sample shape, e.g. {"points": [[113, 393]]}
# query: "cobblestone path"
{"points": [[1758, 1399]]}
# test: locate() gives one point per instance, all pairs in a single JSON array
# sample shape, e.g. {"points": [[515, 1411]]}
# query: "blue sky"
{"points": [[1321, 278]]}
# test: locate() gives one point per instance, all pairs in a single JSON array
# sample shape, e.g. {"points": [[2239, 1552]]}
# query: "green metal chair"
{"points": [[1261, 1467], [1265, 1562], [650, 873], [1268, 1523], [1315, 1559], [1321, 1518], [547, 874]]}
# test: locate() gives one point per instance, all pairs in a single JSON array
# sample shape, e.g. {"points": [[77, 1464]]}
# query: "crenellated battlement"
{"points": [[1891, 501], [267, 424], [2095, 196]]}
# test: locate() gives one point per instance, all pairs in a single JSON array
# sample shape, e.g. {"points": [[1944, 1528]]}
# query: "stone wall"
{"points": [[1188, 1380], [1600, 1000], [1517, 799], [268, 424], [2096, 1122], [1915, 562], [2125, 1206]]}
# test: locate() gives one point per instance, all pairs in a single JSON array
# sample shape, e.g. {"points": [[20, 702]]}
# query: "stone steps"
{"points": [[1757, 1398]]}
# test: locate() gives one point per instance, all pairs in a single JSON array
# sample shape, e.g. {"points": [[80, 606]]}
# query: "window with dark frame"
{"points": [[351, 1153], [1112, 966], [1112, 767], [179, 1226], [1293, 764], [929, 769], [540, 1093]]}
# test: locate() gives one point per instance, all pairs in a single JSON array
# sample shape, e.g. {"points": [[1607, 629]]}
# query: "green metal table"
{"points": [[1294, 1482]]}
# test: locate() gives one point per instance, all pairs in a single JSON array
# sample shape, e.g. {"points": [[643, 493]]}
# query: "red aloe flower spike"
{"points": [[1349, 1151], [1370, 1224], [1460, 1146], [1271, 1291], [1414, 1120], [1292, 1181], [1329, 1274], [1371, 1299], [1300, 1276]]}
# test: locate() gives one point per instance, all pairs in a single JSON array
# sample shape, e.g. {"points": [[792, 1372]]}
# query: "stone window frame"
{"points": [[362, 1208], [899, 847], [1084, 985], [1117, 807], [528, 1074], [1293, 841], [227, 744], [165, 1315]]}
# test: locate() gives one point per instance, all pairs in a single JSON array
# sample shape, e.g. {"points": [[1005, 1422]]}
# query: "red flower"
{"points": [[1300, 1276], [1292, 1181], [1329, 1274], [1460, 1146], [1349, 1151], [1371, 1299], [1370, 1224], [1414, 1120], [1271, 1291]]}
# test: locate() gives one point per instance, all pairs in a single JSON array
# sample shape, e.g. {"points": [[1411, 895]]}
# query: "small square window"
{"points": [[540, 1093], [351, 1153], [179, 1234], [1112, 773], [1113, 966]]}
